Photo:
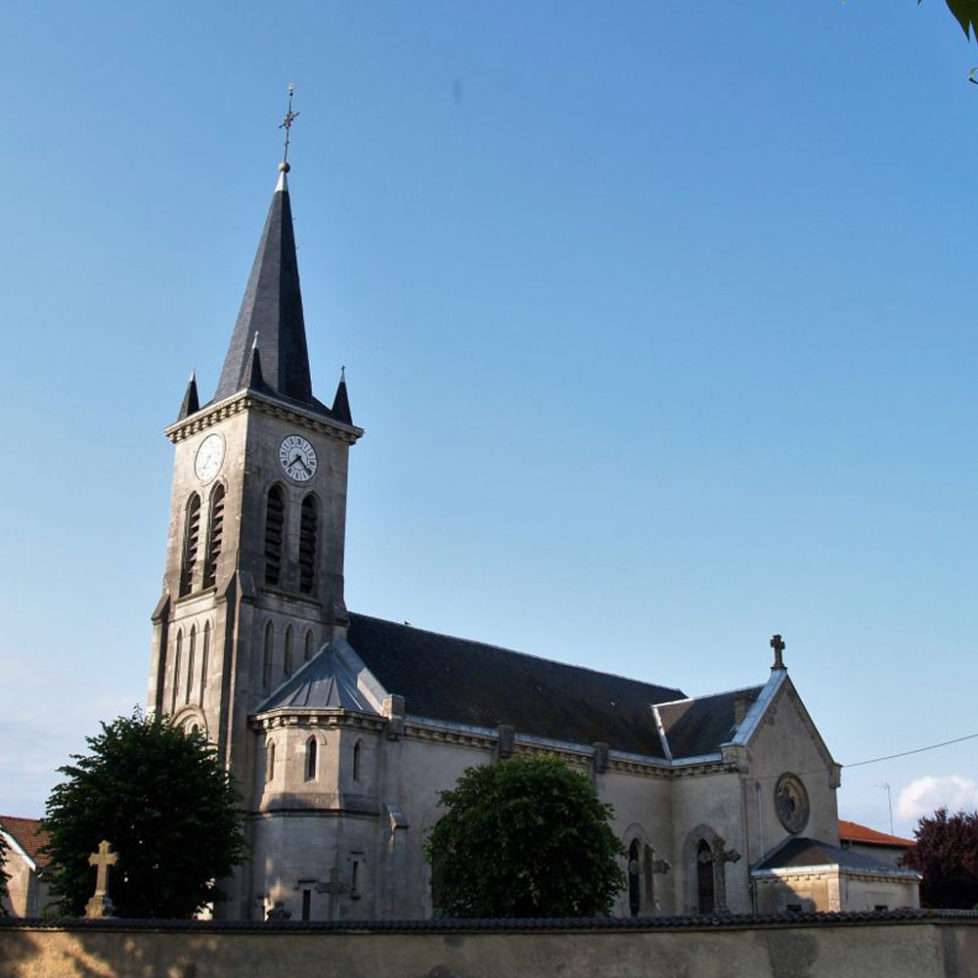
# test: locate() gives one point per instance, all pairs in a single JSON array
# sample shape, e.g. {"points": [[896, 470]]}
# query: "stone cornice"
{"points": [[298, 717], [486, 739], [247, 400]]}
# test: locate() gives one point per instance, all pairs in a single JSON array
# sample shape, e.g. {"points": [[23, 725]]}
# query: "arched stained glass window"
{"points": [[634, 878], [705, 886]]}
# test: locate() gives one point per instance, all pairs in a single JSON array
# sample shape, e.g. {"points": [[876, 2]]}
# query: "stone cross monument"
{"points": [[100, 905]]}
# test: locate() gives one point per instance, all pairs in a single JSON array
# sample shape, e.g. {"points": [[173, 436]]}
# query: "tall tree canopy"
{"points": [[526, 837], [946, 852], [161, 798], [966, 14]]}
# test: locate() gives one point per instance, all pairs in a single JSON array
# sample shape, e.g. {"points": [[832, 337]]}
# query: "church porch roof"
{"points": [[801, 853]]}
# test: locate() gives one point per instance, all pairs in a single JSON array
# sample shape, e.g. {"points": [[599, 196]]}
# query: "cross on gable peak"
{"points": [[777, 643]]}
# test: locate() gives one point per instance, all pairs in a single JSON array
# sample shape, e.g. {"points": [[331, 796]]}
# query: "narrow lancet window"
{"points": [[287, 656], [357, 751], [191, 539], [634, 879], [204, 656], [215, 536], [270, 760], [308, 532], [191, 654], [311, 751], [308, 653], [274, 529], [705, 887], [178, 648], [266, 662]]}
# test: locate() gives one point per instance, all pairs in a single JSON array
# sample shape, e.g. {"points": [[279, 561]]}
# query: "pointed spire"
{"points": [[272, 310], [341, 402], [191, 403]]}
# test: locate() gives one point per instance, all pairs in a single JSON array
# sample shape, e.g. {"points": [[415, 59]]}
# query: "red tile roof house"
{"points": [[877, 845], [25, 865]]}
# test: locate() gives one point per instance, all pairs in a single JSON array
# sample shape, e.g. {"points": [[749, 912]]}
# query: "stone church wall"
{"points": [[920, 946]]}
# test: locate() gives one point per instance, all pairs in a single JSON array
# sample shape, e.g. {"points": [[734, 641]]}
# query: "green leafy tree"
{"points": [[966, 14], [160, 797], [524, 838], [946, 852]]}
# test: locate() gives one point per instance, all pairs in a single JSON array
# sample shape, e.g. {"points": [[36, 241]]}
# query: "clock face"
{"points": [[298, 458], [210, 455]]}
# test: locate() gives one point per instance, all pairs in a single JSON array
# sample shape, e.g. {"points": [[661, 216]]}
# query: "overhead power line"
{"points": [[918, 750]]}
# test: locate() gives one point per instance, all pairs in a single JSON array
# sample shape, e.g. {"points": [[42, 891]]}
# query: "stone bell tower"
{"points": [[253, 584]]}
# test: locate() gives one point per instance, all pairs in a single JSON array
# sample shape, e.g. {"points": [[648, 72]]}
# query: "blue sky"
{"points": [[658, 316]]}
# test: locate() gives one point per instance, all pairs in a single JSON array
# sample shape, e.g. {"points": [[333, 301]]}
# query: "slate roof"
{"points": [[854, 832], [29, 836], [800, 852], [272, 310], [456, 680], [694, 727]]}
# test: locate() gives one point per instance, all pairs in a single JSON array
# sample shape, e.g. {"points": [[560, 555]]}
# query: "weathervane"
{"points": [[290, 117]]}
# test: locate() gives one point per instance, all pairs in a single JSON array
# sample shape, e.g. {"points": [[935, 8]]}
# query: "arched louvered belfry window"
{"points": [[177, 650], [311, 751], [204, 656], [308, 534], [214, 536], [308, 652], [191, 655], [191, 541], [266, 660], [274, 533], [287, 655]]}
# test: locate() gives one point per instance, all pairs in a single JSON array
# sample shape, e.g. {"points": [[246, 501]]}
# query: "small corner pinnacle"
{"points": [[191, 402]]}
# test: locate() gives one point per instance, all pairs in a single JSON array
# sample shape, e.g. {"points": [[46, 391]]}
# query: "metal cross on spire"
{"points": [[290, 117]]}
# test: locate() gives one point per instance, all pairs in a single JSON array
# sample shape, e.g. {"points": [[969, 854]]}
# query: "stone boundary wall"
{"points": [[915, 944]]}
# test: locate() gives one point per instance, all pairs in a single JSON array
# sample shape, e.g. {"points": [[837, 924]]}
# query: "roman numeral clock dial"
{"points": [[298, 458]]}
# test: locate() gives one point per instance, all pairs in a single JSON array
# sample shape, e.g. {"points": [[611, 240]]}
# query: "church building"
{"points": [[341, 728]]}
